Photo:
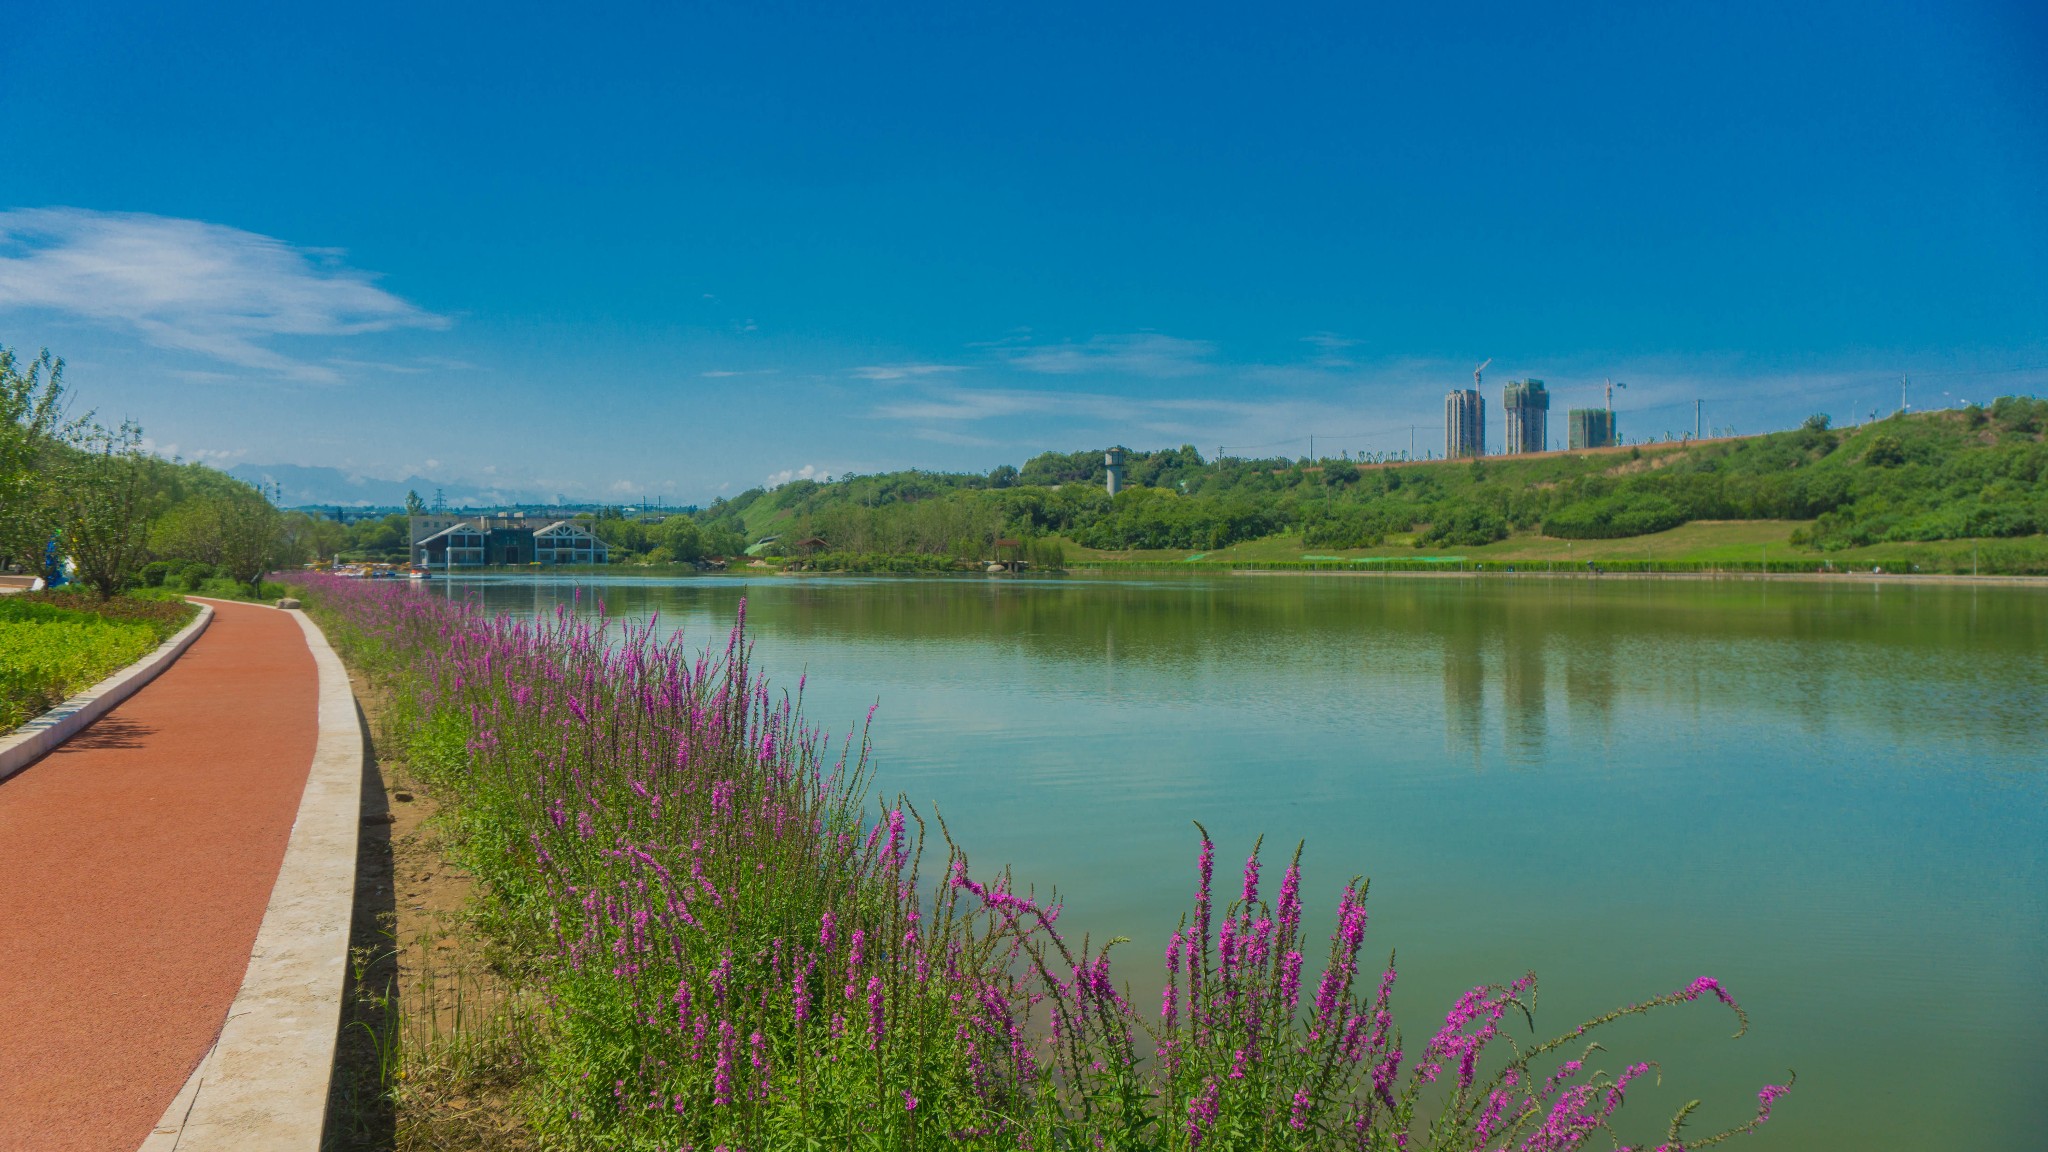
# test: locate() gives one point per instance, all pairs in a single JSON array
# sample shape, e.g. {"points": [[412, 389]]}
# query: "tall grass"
{"points": [[730, 946]]}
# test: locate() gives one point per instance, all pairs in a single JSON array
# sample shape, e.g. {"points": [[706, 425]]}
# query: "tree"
{"points": [[31, 431], [683, 539], [105, 499], [414, 506], [236, 530], [1818, 422]]}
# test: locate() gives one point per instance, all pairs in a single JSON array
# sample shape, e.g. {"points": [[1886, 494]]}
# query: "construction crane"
{"points": [[1477, 371], [1611, 386]]}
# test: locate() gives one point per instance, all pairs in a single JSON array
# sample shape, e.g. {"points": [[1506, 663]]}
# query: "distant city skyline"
{"points": [[680, 254]]}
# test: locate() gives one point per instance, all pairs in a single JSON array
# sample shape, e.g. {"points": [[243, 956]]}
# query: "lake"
{"points": [[1833, 798]]}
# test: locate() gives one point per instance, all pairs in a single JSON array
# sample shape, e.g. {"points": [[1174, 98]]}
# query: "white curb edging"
{"points": [[37, 738], [263, 1086]]}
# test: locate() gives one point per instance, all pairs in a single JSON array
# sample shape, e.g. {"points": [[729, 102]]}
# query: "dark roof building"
{"points": [[481, 541]]}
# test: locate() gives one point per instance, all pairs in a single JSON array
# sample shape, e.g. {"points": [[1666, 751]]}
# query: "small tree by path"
{"points": [[105, 500]]}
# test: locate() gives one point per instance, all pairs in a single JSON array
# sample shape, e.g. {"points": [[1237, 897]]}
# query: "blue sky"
{"points": [[676, 251]]}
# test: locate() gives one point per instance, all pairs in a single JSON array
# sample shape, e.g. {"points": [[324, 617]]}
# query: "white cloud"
{"points": [[1137, 354], [904, 371], [193, 286], [807, 472]]}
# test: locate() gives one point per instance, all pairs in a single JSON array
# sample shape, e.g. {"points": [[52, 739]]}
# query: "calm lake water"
{"points": [[1835, 799]]}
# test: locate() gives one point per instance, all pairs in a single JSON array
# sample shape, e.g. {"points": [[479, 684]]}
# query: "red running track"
{"points": [[135, 864]]}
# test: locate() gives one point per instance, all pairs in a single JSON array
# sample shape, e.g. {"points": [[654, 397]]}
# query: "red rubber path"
{"points": [[135, 864]]}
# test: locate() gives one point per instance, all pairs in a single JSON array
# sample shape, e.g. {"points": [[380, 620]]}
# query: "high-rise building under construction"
{"points": [[1591, 427], [1528, 405], [1464, 424]]}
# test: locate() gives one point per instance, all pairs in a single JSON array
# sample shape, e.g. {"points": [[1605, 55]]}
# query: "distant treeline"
{"points": [[1970, 472]]}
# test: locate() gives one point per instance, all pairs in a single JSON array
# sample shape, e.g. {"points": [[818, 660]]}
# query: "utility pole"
{"points": [[1311, 447], [1696, 418], [1411, 441], [1902, 395]]}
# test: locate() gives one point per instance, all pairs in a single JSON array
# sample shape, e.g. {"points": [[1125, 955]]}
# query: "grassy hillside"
{"points": [[1921, 485]]}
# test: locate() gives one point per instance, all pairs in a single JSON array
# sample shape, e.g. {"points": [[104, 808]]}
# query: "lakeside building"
{"points": [[444, 541], [1113, 461], [1591, 427], [1528, 406], [1464, 424]]}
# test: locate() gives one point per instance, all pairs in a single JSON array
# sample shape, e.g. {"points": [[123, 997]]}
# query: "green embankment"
{"points": [[1954, 490]]}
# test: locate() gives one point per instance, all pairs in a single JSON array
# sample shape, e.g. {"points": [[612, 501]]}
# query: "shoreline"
{"points": [[1936, 578]]}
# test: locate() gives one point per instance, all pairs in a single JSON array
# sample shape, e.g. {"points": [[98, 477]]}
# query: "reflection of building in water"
{"points": [[1524, 709], [1589, 681], [1464, 693]]}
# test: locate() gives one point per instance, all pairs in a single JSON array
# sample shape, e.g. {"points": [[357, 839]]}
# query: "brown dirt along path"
{"points": [[135, 865]]}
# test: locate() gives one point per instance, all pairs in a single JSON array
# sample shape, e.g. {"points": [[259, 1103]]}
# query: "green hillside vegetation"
{"points": [[1955, 475]]}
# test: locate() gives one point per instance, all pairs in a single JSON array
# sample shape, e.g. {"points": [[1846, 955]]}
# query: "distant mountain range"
{"points": [[300, 485]]}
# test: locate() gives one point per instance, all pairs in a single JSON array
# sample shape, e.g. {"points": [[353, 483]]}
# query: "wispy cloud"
{"points": [[969, 404], [723, 373], [958, 439], [807, 472], [1136, 354], [905, 371], [193, 286]]}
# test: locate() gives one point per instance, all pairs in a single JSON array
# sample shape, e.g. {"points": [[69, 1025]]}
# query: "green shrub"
{"points": [[1613, 517], [49, 653], [1465, 524]]}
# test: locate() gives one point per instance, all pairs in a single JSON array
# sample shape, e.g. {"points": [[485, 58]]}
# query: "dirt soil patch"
{"points": [[425, 1060]]}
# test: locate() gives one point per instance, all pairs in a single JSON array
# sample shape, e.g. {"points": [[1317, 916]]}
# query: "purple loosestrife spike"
{"points": [[721, 1079], [1297, 1117], [1290, 979], [874, 1012], [1202, 1113], [1251, 879], [1290, 902]]}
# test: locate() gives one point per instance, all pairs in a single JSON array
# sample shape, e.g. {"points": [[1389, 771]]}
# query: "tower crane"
{"points": [[1477, 371], [1611, 386]]}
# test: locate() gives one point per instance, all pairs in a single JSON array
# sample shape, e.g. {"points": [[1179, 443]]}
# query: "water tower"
{"points": [[1113, 459]]}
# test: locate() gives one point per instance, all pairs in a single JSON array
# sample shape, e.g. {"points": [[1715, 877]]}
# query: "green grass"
{"points": [[1731, 543], [55, 645]]}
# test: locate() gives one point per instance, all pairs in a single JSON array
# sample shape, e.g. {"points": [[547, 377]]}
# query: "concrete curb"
{"points": [[37, 738], [263, 1086]]}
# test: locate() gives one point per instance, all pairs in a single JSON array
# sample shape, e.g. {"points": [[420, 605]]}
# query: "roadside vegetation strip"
{"points": [[264, 1084], [52, 648], [30, 673], [725, 943]]}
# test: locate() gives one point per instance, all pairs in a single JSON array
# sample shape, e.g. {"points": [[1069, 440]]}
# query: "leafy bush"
{"points": [[47, 653], [1613, 517], [1464, 524]]}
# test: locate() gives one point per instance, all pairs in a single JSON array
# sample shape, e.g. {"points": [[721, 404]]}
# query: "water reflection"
{"points": [[1918, 662]]}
